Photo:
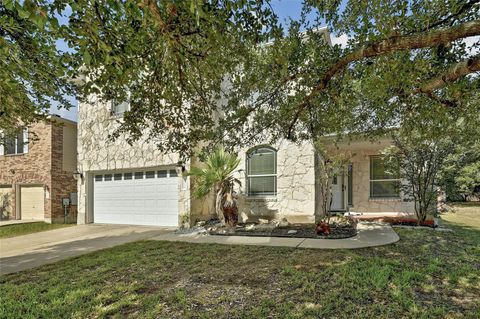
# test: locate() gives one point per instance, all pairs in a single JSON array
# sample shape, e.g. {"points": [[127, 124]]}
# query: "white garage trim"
{"points": [[136, 197]]}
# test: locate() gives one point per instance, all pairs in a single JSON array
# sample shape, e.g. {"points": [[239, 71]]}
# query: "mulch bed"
{"points": [[302, 231]]}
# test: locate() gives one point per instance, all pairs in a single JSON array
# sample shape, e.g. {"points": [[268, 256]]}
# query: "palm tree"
{"points": [[217, 176]]}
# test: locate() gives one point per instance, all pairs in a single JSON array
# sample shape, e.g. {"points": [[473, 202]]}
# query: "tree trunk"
{"points": [[218, 206], [318, 188]]}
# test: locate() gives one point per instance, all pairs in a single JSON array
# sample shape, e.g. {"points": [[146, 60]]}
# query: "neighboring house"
{"points": [[37, 172]]}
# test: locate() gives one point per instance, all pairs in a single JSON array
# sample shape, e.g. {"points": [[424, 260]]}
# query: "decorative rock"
{"points": [[262, 221], [250, 227], [283, 223], [201, 223], [243, 217], [292, 231]]}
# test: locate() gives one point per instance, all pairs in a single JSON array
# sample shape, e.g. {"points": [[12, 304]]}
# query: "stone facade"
{"points": [[360, 152], [295, 199], [296, 192], [98, 153], [41, 166]]}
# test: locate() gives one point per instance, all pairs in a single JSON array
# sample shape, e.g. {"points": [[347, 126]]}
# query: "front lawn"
{"points": [[27, 228], [428, 274]]}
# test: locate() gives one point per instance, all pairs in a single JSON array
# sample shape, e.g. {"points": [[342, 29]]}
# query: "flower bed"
{"points": [[337, 231]]}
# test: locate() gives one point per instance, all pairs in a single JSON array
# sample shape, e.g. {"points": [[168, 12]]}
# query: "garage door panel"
{"points": [[147, 201], [32, 200]]}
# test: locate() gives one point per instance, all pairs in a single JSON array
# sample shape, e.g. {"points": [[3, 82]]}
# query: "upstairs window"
{"points": [[383, 184], [119, 108], [17, 144], [262, 172]]}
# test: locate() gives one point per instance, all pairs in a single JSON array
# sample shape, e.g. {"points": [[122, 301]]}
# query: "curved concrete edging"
{"points": [[369, 235]]}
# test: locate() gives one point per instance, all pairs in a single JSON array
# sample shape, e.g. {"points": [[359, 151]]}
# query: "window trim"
{"points": [[350, 185], [371, 180], [248, 176], [25, 142], [115, 103]]}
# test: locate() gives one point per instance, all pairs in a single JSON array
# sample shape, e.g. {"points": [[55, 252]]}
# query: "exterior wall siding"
{"points": [[98, 153], [295, 199], [63, 182], [361, 189], [359, 153], [296, 191], [32, 168], [41, 166]]}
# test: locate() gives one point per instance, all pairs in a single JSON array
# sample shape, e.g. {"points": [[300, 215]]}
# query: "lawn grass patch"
{"points": [[427, 274], [13, 230]]}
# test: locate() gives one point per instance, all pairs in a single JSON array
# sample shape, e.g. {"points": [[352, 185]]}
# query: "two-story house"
{"points": [[137, 184], [37, 169]]}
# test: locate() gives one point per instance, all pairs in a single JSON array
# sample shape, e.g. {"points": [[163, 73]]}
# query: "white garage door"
{"points": [[136, 198], [32, 200]]}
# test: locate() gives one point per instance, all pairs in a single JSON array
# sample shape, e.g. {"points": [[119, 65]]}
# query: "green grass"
{"points": [[7, 231], [428, 274]]}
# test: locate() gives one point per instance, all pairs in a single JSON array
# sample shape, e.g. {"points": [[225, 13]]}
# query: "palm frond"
{"points": [[218, 170]]}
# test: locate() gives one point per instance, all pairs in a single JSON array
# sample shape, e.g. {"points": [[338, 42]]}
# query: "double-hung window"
{"points": [[262, 172], [119, 108], [383, 182], [15, 144]]}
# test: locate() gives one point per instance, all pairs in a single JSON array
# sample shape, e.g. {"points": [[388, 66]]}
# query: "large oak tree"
{"points": [[180, 62]]}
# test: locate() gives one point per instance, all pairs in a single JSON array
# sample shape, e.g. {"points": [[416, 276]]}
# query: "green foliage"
{"points": [[217, 173], [418, 160], [328, 163], [33, 73], [460, 174], [169, 59], [424, 275], [179, 62]]}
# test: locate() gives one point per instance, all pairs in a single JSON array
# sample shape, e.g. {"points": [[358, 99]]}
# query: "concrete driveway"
{"points": [[33, 250]]}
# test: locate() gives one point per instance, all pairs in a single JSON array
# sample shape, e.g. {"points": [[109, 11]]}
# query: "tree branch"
{"points": [[452, 74], [466, 6], [390, 45]]}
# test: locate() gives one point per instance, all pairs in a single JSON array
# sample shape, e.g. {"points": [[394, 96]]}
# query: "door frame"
{"points": [[345, 171]]}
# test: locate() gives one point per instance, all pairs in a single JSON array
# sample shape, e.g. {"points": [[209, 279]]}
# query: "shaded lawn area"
{"points": [[428, 274], [13, 230]]}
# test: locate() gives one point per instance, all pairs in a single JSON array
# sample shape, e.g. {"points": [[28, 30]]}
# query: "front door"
{"points": [[338, 192]]}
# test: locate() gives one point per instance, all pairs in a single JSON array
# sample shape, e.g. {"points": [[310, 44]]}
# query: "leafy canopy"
{"points": [[229, 71], [217, 173], [33, 72]]}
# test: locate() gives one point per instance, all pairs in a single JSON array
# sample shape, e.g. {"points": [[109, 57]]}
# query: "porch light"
{"points": [[77, 175], [180, 168]]}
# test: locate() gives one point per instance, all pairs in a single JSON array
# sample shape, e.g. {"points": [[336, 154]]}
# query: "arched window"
{"points": [[262, 171]]}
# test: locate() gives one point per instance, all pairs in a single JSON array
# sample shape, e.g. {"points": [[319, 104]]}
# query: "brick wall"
{"points": [[63, 182], [31, 168], [42, 165]]}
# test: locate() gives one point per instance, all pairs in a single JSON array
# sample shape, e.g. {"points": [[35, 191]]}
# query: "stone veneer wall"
{"points": [[360, 153], [98, 153], [295, 199], [361, 189]]}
